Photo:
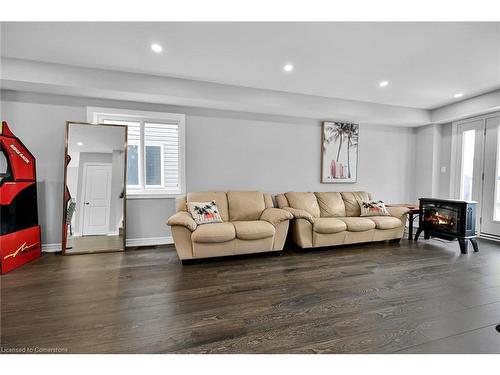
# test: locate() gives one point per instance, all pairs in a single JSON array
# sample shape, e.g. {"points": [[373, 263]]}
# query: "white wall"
{"points": [[224, 150], [424, 161], [275, 157], [433, 161]]}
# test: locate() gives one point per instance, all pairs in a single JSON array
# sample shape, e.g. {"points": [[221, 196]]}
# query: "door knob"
{"points": [[87, 203]]}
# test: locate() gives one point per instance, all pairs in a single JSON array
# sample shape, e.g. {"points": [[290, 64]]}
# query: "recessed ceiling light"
{"points": [[156, 47], [79, 143], [458, 95], [383, 83], [288, 68]]}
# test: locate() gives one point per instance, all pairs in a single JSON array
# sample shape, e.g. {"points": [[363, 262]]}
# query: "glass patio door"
{"points": [[490, 205], [469, 160]]}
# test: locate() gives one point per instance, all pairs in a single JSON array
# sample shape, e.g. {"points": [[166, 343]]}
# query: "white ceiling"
{"points": [[425, 63]]}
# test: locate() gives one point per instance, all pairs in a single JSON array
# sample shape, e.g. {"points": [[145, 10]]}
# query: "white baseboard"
{"points": [[489, 237], [51, 247], [151, 241]]}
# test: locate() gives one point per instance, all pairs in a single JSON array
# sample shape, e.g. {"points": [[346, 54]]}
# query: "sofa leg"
{"points": [[395, 240], [187, 262]]}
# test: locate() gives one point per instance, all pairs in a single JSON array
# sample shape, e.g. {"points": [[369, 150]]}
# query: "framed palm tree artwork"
{"points": [[339, 162]]}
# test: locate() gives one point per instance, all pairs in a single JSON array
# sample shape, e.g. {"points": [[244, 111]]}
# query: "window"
{"points": [[155, 150]]}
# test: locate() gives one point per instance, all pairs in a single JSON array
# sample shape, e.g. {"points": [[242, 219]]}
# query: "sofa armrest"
{"points": [[300, 214], [184, 219], [275, 215], [398, 211]]}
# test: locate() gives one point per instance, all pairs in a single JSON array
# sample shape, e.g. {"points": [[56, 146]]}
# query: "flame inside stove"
{"points": [[439, 219]]}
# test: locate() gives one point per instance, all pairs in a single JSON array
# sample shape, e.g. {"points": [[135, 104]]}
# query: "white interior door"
{"points": [[96, 199], [490, 212]]}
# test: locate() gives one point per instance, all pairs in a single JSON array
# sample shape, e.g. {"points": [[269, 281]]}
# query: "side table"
{"points": [[412, 214]]}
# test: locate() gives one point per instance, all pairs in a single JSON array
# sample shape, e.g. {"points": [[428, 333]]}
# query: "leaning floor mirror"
{"points": [[94, 198]]}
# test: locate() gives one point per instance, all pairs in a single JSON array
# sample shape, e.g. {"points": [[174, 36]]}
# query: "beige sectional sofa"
{"points": [[250, 225], [333, 218]]}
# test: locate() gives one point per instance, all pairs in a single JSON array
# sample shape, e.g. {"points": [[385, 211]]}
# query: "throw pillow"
{"points": [[373, 208], [204, 212]]}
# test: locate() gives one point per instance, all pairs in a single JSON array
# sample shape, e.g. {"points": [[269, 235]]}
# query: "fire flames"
{"points": [[436, 218]]}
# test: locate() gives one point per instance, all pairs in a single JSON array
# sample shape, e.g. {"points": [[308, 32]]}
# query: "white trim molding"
{"points": [[51, 247], [130, 242], [489, 237], [151, 241]]}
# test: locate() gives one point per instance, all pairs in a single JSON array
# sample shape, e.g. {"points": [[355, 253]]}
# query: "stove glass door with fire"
{"points": [[441, 218]]}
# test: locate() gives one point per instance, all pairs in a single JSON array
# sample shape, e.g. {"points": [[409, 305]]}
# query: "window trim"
{"points": [[96, 114]]}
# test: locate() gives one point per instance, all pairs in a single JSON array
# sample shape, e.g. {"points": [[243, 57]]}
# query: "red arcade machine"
{"points": [[20, 233]]}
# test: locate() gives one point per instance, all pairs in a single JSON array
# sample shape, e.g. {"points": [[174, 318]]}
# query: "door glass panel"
{"points": [[496, 201], [469, 138]]}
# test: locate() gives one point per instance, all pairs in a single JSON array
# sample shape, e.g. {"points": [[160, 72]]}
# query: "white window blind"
{"points": [[166, 139]]}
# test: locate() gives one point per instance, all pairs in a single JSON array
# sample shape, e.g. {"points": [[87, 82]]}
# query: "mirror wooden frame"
{"points": [[65, 166]]}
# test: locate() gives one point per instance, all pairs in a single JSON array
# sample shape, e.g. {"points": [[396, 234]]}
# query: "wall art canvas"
{"points": [[340, 152]]}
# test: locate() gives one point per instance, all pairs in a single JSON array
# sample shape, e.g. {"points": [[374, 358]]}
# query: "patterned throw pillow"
{"points": [[204, 212], [373, 208]]}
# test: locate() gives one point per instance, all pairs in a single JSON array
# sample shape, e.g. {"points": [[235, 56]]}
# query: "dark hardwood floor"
{"points": [[419, 297]]}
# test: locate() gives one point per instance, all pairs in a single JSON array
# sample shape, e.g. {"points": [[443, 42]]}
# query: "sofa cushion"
{"points": [[245, 205], [281, 201], [328, 225], [352, 201], [206, 196], [253, 230], [303, 201], [214, 233], [330, 204], [268, 200], [385, 222], [358, 224]]}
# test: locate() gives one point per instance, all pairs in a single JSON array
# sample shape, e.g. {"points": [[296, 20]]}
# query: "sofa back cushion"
{"points": [[268, 200], [219, 197], [330, 204], [180, 204], [246, 205], [352, 202], [281, 201], [304, 201]]}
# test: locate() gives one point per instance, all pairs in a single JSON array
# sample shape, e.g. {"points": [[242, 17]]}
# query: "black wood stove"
{"points": [[448, 219]]}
